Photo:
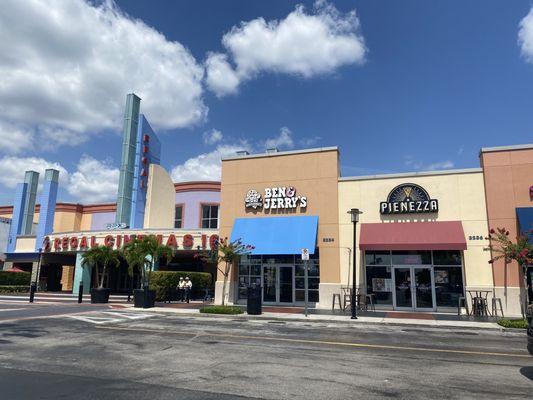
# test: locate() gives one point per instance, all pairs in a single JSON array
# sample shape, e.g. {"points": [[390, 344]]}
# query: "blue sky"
{"points": [[397, 85]]}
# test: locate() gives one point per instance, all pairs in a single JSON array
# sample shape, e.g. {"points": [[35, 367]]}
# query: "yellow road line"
{"points": [[309, 341]]}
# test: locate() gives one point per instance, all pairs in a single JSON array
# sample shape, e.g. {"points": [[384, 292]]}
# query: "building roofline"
{"points": [[281, 153], [411, 174], [197, 186], [506, 148]]}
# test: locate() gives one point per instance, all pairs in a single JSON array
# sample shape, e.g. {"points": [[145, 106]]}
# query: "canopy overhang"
{"points": [[448, 235], [277, 235]]}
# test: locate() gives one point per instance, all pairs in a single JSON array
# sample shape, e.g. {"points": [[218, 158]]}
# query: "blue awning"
{"points": [[277, 235], [525, 221]]}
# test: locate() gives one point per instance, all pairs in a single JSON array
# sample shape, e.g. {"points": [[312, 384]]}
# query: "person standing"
{"points": [[181, 289], [188, 288]]}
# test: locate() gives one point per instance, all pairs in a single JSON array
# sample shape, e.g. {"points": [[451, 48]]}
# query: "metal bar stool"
{"points": [[497, 303], [336, 296]]}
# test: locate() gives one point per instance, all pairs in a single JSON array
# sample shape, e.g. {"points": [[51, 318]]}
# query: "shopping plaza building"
{"points": [[420, 244]]}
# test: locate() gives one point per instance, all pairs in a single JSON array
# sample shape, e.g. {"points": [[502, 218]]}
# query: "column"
{"points": [[81, 274]]}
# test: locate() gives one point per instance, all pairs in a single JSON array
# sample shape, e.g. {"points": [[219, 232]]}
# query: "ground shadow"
{"points": [[527, 372]]}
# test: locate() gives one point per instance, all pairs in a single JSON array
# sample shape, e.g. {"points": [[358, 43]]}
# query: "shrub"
{"points": [[221, 310], [15, 278], [11, 289], [163, 280], [513, 323]]}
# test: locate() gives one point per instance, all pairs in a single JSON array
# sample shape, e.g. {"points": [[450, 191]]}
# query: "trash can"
{"points": [[529, 316], [253, 305]]}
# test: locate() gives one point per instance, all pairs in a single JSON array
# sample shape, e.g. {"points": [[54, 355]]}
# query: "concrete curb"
{"points": [[487, 326]]}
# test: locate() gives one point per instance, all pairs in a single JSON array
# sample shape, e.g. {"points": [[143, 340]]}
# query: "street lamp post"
{"points": [[354, 212]]}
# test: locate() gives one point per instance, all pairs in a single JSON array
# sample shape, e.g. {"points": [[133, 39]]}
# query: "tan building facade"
{"points": [[508, 173], [312, 174], [396, 271]]}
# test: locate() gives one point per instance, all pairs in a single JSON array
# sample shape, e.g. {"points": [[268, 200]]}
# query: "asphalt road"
{"points": [[110, 354]]}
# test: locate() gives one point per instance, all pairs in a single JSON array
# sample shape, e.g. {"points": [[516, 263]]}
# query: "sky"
{"points": [[398, 86]]}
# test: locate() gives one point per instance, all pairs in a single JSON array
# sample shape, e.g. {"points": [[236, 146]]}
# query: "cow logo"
{"points": [[253, 200]]}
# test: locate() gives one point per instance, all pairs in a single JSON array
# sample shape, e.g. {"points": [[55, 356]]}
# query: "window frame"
{"points": [[201, 215], [182, 205]]}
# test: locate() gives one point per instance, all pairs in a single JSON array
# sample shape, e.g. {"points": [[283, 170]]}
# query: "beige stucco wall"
{"points": [[25, 244], [67, 221], [461, 198], [314, 174], [160, 199]]}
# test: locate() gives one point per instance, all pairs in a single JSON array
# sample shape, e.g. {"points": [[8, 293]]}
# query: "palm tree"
{"points": [[101, 257], [227, 253], [134, 256], [142, 254]]}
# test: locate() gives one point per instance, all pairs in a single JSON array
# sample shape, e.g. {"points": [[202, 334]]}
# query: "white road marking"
{"points": [[13, 309], [129, 315], [95, 320]]}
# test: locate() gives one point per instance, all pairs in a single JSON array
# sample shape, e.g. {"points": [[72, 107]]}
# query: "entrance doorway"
{"points": [[278, 283], [413, 288]]}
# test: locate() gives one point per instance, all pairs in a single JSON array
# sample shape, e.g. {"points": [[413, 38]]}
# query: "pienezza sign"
{"points": [[282, 198], [408, 198]]}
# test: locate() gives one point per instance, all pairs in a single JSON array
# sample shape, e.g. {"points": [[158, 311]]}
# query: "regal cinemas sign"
{"points": [[185, 241]]}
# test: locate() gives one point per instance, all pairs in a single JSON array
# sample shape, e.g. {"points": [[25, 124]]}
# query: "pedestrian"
{"points": [[188, 288], [181, 289]]}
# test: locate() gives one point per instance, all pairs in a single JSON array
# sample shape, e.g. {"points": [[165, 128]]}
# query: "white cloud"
{"points": [[283, 140], [207, 166], [94, 181], [15, 138], [525, 36], [67, 65], [440, 165], [310, 141], [213, 136], [13, 170], [303, 44], [418, 165], [220, 78]]}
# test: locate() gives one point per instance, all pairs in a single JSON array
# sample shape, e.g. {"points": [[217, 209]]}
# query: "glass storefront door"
{"points": [[270, 283], [286, 277], [402, 288], [413, 288], [278, 283]]}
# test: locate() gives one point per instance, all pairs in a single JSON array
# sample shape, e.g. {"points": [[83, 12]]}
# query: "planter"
{"points": [[142, 301], [100, 296]]}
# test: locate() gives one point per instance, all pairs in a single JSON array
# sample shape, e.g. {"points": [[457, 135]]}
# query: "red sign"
{"points": [[81, 243]]}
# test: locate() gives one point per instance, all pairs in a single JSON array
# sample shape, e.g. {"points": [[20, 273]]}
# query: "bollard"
{"points": [[80, 293], [33, 289]]}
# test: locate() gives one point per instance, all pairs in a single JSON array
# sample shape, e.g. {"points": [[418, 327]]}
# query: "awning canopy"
{"points": [[277, 235], [447, 235], [525, 221]]}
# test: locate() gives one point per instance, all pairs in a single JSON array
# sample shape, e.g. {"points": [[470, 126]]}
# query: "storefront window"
{"points": [[446, 267], [378, 258], [278, 272], [452, 257], [448, 286], [411, 257], [379, 283]]}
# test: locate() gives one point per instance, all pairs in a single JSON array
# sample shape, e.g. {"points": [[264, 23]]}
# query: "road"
{"points": [[118, 354]]}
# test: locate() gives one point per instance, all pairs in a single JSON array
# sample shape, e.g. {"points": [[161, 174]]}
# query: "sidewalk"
{"points": [[391, 318]]}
